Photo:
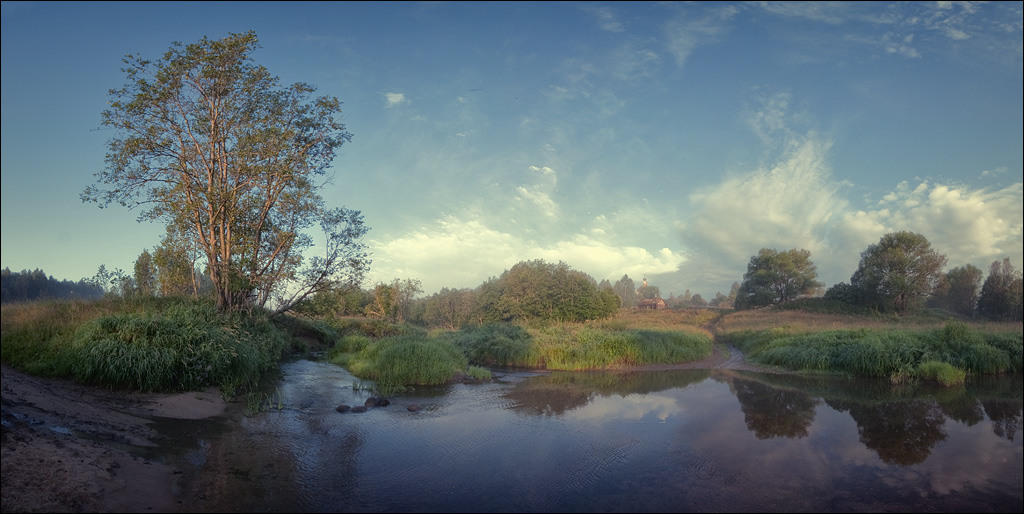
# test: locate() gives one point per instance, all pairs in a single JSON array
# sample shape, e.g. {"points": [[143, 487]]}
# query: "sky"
{"points": [[670, 141]]}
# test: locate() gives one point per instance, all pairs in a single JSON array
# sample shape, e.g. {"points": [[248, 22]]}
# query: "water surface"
{"points": [[665, 441]]}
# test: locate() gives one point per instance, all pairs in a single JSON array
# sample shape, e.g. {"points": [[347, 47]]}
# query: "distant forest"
{"points": [[37, 285]]}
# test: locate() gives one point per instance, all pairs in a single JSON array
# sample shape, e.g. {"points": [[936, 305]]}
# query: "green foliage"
{"points": [[148, 345], [403, 360], [450, 308], [34, 285], [583, 347], [478, 373], [539, 291], [883, 353], [1001, 295], [776, 277], [497, 344], [392, 302], [145, 274], [941, 372], [209, 142], [625, 289], [898, 273], [957, 290]]}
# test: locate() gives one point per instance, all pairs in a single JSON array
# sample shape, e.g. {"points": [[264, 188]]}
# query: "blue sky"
{"points": [[664, 140]]}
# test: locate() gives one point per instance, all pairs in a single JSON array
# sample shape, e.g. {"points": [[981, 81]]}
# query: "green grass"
{"points": [[156, 344], [894, 353], [582, 347], [398, 361], [941, 372]]}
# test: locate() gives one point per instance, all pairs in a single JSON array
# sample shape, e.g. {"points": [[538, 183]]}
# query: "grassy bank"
{"points": [[931, 345], [145, 344], [161, 344]]}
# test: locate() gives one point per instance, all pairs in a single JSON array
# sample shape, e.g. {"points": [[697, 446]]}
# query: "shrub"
{"points": [[942, 372]]}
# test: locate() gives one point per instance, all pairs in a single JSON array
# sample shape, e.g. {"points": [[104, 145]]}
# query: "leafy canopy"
{"points": [[775, 277], [899, 272], [211, 144]]}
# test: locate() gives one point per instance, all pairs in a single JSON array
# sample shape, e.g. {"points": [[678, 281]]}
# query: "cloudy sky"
{"points": [[665, 140]]}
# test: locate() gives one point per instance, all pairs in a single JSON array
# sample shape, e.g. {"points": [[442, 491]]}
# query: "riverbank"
{"points": [[63, 446]]}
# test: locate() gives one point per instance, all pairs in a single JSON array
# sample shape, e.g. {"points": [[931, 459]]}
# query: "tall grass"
{"points": [[143, 344], [397, 361], [891, 353], [575, 347], [497, 344]]}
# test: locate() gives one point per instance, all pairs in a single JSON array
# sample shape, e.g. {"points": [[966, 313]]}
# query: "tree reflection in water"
{"points": [[771, 412], [901, 424]]}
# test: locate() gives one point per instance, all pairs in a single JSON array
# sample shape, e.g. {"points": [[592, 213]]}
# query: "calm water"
{"points": [[722, 441]]}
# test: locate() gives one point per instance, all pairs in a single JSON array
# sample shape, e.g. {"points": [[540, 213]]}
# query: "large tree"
{"points": [[1001, 295], [775, 277], [209, 142], [898, 272]]}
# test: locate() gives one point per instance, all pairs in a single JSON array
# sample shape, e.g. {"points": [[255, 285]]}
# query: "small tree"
{"points": [[899, 272], [774, 277], [392, 301], [626, 291], [145, 274]]}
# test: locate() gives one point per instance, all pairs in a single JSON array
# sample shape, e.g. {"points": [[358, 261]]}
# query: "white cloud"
{"points": [[395, 99], [458, 253], [538, 196], [788, 205], [539, 200], [975, 226], [689, 30], [899, 45], [795, 203]]}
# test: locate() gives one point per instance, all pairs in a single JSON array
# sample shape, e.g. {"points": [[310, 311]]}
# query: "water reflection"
{"points": [[771, 412], [688, 440], [900, 424]]}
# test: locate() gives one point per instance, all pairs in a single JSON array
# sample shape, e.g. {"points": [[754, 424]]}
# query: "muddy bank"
{"points": [[65, 446]]}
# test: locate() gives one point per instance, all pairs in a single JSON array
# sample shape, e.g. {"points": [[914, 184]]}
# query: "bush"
{"points": [[942, 372]]}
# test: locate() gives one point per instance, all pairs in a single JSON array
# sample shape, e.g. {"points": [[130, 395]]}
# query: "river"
{"points": [[655, 441]]}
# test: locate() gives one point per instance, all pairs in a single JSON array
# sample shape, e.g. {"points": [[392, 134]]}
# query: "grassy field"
{"points": [[161, 344]]}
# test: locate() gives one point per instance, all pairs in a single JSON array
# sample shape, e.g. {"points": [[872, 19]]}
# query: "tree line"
{"points": [[900, 274], [33, 285]]}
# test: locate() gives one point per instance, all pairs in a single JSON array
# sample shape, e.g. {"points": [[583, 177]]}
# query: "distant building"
{"points": [[655, 304]]}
